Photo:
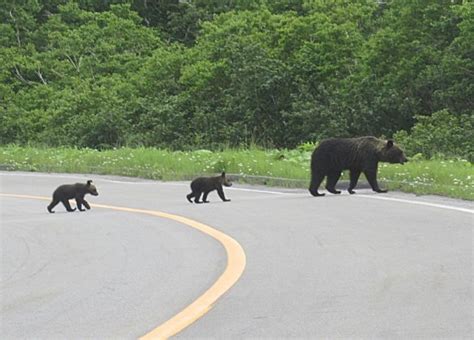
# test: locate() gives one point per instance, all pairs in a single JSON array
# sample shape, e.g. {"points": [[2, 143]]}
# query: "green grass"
{"points": [[454, 178]]}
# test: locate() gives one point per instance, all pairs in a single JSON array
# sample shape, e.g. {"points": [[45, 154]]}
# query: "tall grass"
{"points": [[454, 178], [155, 163]]}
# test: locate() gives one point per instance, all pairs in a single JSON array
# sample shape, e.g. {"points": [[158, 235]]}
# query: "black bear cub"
{"points": [[206, 185], [68, 191], [358, 155]]}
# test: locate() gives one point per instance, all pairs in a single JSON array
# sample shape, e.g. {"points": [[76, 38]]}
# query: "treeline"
{"points": [[213, 73]]}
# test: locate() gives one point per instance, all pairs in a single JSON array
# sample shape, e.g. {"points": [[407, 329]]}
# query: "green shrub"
{"points": [[307, 147], [441, 135]]}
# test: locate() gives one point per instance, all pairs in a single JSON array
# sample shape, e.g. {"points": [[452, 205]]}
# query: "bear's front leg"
{"points": [[372, 178], [86, 204], [66, 204], [197, 197], [79, 201], [220, 192]]}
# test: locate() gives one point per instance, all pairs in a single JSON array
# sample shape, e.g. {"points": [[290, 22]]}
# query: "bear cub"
{"points": [[206, 185], [68, 191], [358, 155]]}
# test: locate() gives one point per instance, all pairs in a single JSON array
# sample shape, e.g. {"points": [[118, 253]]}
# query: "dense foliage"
{"points": [[441, 135], [213, 73]]}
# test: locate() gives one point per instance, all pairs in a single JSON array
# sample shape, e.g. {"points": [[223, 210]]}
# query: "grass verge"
{"points": [[290, 168]]}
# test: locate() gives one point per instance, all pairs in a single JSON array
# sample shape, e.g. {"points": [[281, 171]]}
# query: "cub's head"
{"points": [[391, 153], [225, 181], [91, 189]]}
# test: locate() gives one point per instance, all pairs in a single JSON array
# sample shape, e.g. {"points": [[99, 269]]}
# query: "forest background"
{"points": [[215, 74]]}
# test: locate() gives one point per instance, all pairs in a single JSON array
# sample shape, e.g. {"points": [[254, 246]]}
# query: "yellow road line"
{"points": [[235, 266]]}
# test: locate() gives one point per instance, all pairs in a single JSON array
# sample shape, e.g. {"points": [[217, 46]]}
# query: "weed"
{"points": [[454, 178]]}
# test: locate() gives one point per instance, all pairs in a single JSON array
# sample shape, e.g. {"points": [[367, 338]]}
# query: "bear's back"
{"points": [[69, 191], [205, 183], [345, 153]]}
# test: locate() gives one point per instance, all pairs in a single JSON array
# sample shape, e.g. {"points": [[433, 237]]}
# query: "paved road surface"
{"points": [[360, 266]]}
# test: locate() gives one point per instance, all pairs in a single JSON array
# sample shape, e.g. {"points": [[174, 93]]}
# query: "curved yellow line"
{"points": [[235, 266]]}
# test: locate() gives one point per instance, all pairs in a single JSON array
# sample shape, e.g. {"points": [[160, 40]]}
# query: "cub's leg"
{"points": [[79, 202], [52, 205], [204, 197], [197, 197], [66, 204], [191, 195], [333, 177], [86, 204], [220, 192]]}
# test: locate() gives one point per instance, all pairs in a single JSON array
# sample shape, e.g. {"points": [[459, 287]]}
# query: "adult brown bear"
{"points": [[357, 155], [65, 192], [206, 185]]}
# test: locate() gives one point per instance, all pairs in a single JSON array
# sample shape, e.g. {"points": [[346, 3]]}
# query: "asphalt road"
{"points": [[348, 266]]}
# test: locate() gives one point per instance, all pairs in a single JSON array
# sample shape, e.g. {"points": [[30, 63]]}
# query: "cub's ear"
{"points": [[89, 182], [223, 174], [389, 143]]}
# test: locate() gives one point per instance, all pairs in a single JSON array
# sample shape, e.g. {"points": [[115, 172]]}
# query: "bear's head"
{"points": [[391, 153], [91, 189], [225, 181]]}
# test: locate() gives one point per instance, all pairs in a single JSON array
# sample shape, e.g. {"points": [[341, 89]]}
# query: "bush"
{"points": [[307, 147], [440, 135]]}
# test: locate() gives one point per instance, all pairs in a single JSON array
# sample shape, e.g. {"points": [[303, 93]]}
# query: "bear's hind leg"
{"points": [[191, 195], [204, 197], [52, 205], [331, 181], [316, 179]]}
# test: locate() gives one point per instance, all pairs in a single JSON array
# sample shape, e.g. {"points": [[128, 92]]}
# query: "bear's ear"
{"points": [[223, 174], [389, 143], [89, 183]]}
